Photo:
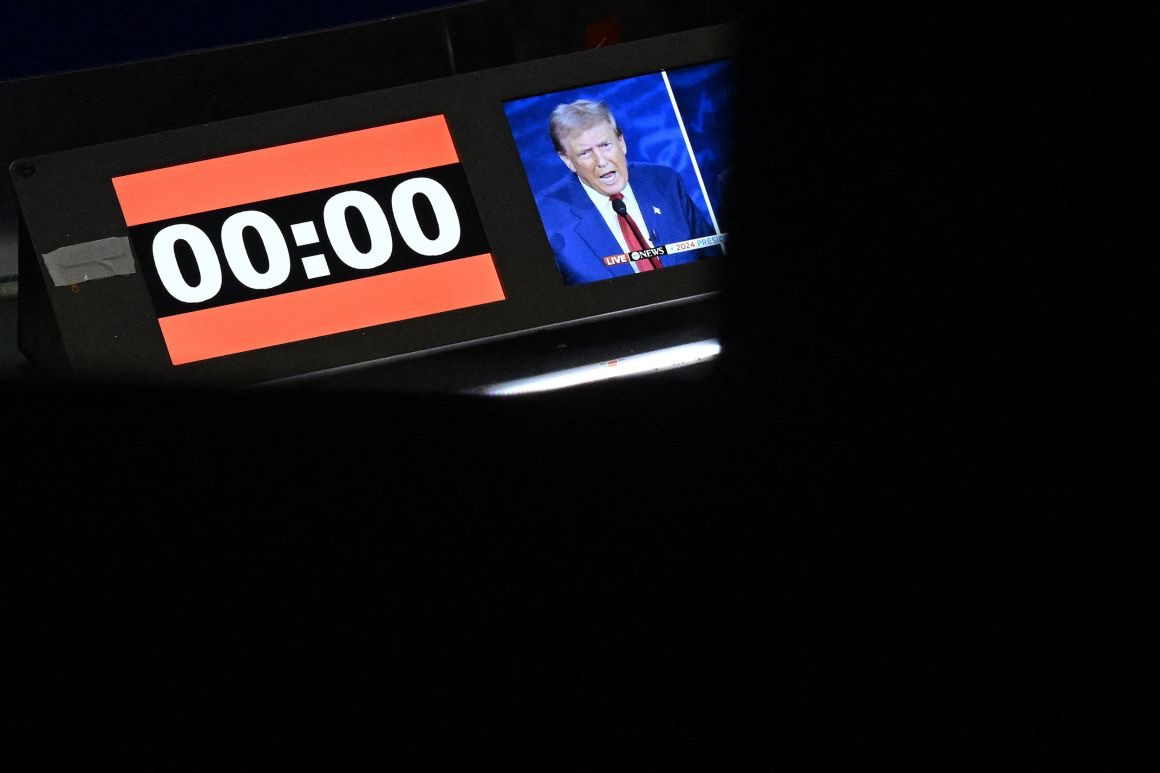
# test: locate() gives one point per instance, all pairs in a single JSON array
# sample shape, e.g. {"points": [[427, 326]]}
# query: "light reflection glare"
{"points": [[635, 364]]}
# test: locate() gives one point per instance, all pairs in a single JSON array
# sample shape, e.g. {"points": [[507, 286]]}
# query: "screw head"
{"points": [[25, 169]]}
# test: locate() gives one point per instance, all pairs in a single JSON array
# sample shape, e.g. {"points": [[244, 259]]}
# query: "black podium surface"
{"points": [[162, 93]]}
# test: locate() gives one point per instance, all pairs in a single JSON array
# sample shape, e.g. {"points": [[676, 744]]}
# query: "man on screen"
{"points": [[609, 210]]}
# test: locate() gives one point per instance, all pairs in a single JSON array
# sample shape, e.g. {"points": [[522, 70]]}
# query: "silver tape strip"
{"points": [[85, 262]]}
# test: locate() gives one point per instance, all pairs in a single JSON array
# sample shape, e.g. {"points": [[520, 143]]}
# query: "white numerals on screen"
{"points": [[208, 265], [334, 220], [239, 259], [403, 205], [335, 214]]}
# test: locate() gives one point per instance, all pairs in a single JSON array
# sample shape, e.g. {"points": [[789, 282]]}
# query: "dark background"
{"points": [[60, 35], [900, 523]]}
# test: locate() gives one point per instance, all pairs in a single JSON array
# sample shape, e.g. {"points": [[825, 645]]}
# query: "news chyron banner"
{"points": [[308, 239]]}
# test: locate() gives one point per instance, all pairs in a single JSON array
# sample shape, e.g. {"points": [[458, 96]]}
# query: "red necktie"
{"points": [[632, 235]]}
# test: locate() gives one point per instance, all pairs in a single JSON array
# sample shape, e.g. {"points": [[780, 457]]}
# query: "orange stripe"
{"points": [[337, 308], [285, 170]]}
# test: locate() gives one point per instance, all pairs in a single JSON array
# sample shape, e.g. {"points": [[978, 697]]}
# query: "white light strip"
{"points": [[692, 155], [649, 362]]}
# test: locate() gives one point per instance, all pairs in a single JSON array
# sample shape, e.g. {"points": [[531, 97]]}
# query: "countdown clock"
{"points": [[336, 235], [308, 239]]}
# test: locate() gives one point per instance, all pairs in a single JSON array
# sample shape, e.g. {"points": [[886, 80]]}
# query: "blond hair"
{"points": [[577, 116]]}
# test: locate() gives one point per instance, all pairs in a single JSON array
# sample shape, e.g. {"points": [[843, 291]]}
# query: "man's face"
{"points": [[597, 155]]}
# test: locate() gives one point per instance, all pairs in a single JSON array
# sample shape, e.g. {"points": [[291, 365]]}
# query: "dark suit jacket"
{"points": [[581, 239]]}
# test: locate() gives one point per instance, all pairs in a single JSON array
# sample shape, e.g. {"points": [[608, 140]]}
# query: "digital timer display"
{"points": [[308, 239]]}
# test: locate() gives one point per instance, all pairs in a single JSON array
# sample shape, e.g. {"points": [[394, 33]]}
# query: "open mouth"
{"points": [[608, 178]]}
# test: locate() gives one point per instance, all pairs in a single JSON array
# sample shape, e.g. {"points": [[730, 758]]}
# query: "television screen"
{"points": [[629, 174]]}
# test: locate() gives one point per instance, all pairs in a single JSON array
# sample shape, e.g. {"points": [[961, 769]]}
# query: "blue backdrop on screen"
{"points": [[651, 130], [705, 96]]}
